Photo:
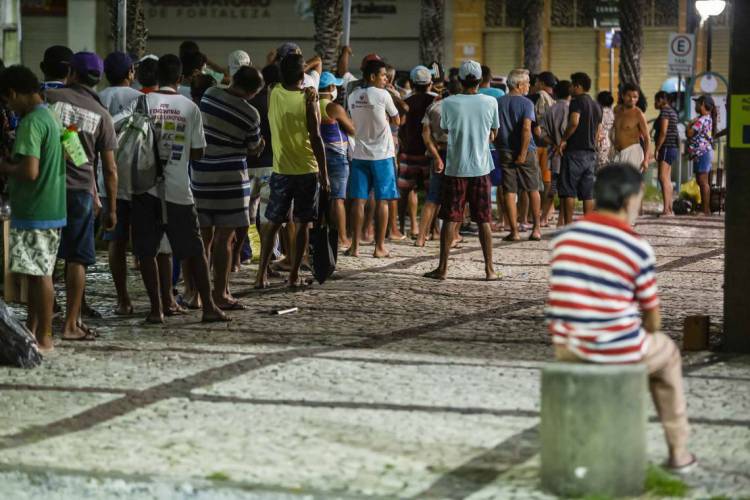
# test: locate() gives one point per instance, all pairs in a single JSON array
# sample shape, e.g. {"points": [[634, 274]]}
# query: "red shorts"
{"points": [[458, 191]]}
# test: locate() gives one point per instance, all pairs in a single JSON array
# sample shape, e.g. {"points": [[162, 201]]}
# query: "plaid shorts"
{"points": [[476, 191], [33, 251]]}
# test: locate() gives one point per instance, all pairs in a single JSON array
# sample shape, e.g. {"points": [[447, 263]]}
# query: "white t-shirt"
{"points": [[311, 79], [115, 99], [370, 108], [180, 126]]}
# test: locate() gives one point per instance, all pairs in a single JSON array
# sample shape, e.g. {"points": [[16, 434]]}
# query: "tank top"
{"points": [[287, 117], [335, 140]]}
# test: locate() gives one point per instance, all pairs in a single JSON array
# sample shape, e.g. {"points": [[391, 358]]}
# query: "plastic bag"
{"points": [[17, 345], [324, 245], [691, 191]]}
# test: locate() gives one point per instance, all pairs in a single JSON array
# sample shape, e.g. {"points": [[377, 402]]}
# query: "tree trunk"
{"points": [[632, 17], [327, 15], [431, 31], [137, 33], [533, 38]]}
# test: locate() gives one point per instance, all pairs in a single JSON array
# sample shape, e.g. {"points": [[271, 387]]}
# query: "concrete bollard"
{"points": [[593, 430]]}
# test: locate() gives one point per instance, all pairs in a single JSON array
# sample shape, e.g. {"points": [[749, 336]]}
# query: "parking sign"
{"points": [[681, 52]]}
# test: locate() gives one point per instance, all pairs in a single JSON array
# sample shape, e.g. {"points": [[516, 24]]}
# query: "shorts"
{"points": [[668, 155], [543, 158], [435, 188], [553, 185], [702, 164], [228, 219], [457, 191], [259, 194], [149, 228], [376, 175], [33, 251], [121, 232], [631, 155], [496, 176], [577, 175], [338, 175], [523, 178], [77, 238], [300, 189]]}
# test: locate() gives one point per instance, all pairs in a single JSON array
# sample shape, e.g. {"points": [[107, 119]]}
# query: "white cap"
{"points": [[153, 57], [470, 68], [237, 59]]}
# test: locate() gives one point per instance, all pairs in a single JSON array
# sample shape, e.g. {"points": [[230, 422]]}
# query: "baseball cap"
{"points": [[237, 59], [286, 48], [368, 58], [420, 75], [87, 63], [117, 62], [470, 69], [57, 54], [327, 79], [705, 99], [148, 57]]}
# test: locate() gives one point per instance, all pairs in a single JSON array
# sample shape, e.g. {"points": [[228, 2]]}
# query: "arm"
{"points": [[27, 169], [337, 112], [643, 127], [316, 141], [431, 148], [401, 105], [652, 320], [493, 135], [314, 64], [342, 65], [109, 169], [663, 124], [525, 141], [573, 121], [196, 153]]}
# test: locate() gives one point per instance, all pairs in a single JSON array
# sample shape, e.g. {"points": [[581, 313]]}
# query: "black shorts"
{"points": [[77, 237], [148, 227], [577, 175], [300, 189], [523, 178]]}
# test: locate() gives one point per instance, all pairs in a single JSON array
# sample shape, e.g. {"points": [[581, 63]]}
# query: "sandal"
{"points": [[682, 469]]}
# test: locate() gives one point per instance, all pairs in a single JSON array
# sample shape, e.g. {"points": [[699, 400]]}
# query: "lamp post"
{"points": [[708, 9]]}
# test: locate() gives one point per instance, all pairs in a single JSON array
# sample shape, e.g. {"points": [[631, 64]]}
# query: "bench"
{"points": [[593, 429]]}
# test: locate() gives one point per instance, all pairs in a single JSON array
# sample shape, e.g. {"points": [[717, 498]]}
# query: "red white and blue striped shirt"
{"points": [[602, 273]]}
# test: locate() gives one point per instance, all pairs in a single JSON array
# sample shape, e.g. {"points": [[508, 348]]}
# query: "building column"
{"points": [[82, 16]]}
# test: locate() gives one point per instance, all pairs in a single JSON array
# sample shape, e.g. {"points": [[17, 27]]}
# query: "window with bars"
{"points": [[581, 13], [504, 13]]}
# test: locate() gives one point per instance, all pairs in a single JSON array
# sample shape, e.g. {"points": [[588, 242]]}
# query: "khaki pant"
{"points": [[664, 366]]}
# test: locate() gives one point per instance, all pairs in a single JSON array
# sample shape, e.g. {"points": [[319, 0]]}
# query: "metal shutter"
{"points": [[38, 33], [654, 65], [573, 50], [502, 50]]}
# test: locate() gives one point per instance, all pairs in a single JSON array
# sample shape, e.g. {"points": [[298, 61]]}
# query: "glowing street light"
{"points": [[708, 8]]}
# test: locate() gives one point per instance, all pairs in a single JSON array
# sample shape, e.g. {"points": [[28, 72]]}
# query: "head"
{"points": [[86, 68], [367, 59], [188, 47], [292, 70], [287, 49], [661, 99], [248, 81], [19, 87], [198, 86], [169, 71], [271, 74], [580, 83], [118, 67], [630, 95], [238, 59], [328, 85], [562, 89], [56, 63], [619, 189], [146, 71], [421, 79], [519, 81], [546, 81], [192, 64], [470, 75], [704, 105], [486, 76], [375, 74], [534, 82], [605, 99], [390, 73]]}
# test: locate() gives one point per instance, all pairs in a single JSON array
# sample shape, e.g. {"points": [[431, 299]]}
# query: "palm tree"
{"points": [[327, 16], [632, 19], [137, 33], [431, 31], [533, 38]]}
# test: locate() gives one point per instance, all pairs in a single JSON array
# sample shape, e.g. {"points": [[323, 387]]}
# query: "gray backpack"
{"points": [[139, 167]]}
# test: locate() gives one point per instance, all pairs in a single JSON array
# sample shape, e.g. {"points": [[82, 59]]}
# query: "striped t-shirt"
{"points": [[220, 180], [672, 136], [602, 273]]}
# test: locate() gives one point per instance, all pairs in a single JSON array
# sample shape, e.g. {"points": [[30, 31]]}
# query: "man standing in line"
{"points": [[667, 146], [518, 152], [630, 130], [471, 120], [79, 108], [578, 148], [553, 127], [56, 67], [373, 160]]}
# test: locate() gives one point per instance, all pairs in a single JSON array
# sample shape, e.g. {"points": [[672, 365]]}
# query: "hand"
{"points": [[644, 166], [439, 165], [561, 147], [325, 185], [258, 150], [109, 220], [97, 205], [271, 57], [521, 160], [346, 49]]}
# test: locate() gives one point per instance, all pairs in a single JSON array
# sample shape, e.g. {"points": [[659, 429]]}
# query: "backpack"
{"points": [[139, 166]]}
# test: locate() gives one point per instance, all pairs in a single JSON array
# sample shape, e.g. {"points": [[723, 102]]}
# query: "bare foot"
{"points": [[77, 334], [381, 253], [420, 241], [214, 316], [45, 343], [261, 283], [397, 236], [175, 310], [352, 251], [435, 275], [124, 310], [491, 275], [512, 237], [299, 283], [155, 318], [345, 244]]}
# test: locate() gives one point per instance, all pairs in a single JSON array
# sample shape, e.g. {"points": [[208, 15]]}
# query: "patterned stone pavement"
{"points": [[383, 385]]}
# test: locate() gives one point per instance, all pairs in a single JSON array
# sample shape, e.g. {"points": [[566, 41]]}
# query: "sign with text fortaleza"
{"points": [[681, 54]]}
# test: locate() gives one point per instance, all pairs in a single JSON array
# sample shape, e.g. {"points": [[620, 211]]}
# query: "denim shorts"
{"points": [[77, 238], [338, 175], [435, 189], [702, 164], [298, 190], [376, 175]]}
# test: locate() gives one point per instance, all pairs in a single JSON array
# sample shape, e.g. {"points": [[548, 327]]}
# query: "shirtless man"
{"points": [[630, 130]]}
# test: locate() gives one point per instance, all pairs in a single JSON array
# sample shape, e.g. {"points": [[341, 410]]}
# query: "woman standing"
{"points": [[700, 147], [604, 143]]}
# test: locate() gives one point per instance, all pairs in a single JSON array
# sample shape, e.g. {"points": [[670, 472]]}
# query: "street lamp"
{"points": [[706, 9]]}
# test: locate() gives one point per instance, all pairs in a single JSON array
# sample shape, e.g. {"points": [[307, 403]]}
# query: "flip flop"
{"points": [[129, 312], [510, 237], [86, 328], [682, 469], [225, 319], [178, 311], [87, 337], [434, 275], [535, 238], [231, 306], [402, 238]]}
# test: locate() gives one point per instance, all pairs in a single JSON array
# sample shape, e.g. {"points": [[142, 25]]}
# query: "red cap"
{"points": [[368, 58]]}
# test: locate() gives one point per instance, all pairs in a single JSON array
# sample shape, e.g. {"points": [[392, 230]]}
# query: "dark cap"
{"points": [[117, 62], [368, 58], [57, 54], [286, 48], [87, 63], [705, 99]]}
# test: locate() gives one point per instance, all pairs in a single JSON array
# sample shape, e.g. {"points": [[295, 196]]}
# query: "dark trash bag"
{"points": [[17, 346], [324, 244]]}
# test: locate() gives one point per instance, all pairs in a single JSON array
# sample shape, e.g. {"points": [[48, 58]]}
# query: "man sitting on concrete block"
{"points": [[602, 281]]}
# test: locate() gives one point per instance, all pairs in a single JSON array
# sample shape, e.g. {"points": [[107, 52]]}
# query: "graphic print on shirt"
{"points": [[86, 121]]}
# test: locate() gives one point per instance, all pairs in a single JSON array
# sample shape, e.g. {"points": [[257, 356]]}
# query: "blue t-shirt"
{"points": [[513, 110], [492, 92], [468, 120]]}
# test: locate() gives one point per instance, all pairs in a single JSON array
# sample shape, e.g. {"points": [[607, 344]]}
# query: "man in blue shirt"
{"points": [[518, 151], [471, 120]]}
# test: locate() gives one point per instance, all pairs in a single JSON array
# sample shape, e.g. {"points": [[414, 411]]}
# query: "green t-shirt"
{"points": [[39, 204]]}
